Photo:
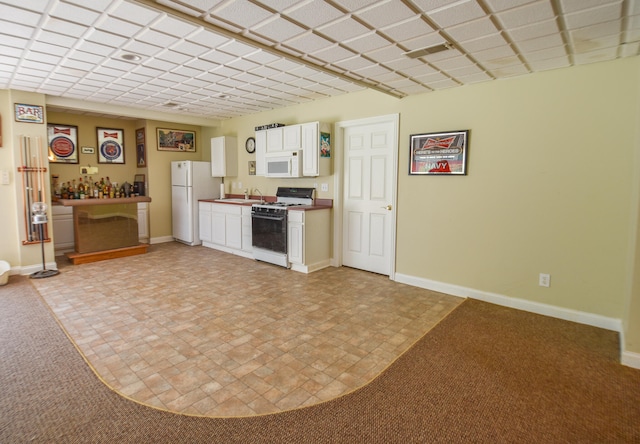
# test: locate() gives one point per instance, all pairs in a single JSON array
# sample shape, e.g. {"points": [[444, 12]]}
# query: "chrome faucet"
{"points": [[255, 190]]}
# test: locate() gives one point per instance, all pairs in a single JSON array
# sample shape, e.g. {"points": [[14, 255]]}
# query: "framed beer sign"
{"points": [[110, 145], [63, 143], [439, 153]]}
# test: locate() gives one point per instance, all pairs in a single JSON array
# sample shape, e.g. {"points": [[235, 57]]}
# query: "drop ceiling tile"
{"points": [[367, 43], [457, 13], [46, 48], [525, 15], [453, 63], [16, 30], [600, 55], [157, 38], [313, 14], [242, 13], [387, 54], [344, 29], [217, 57], [408, 29], [58, 39], [569, 6], [19, 15], [472, 30], [16, 42], [386, 13], [308, 43], [207, 38], [334, 54], [474, 78], [105, 38], [286, 65], [552, 63], [539, 29], [173, 57], [278, 30], [630, 49], [66, 28], [135, 13], [352, 64], [488, 42], [77, 64], [189, 48], [12, 52], [549, 53], [73, 13], [124, 29], [498, 52], [419, 70], [175, 27], [236, 48], [143, 49], [613, 28], [510, 71], [501, 5], [595, 44], [463, 71], [444, 84], [540, 43], [594, 16], [38, 6]]}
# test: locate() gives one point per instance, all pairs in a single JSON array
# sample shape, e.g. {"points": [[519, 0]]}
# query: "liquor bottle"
{"points": [[81, 193]]}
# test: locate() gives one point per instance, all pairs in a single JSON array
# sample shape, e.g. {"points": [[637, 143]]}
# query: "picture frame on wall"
{"points": [[110, 145], [141, 148], [443, 153], [63, 143], [176, 140], [29, 113]]}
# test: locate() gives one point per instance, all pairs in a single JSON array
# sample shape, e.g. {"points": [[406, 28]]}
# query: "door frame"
{"points": [[338, 185]]}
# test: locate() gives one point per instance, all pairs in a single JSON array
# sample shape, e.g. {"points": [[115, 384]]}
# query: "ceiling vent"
{"points": [[428, 51]]}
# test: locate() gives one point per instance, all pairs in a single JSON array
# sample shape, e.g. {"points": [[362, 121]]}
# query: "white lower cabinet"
{"points": [[223, 227], [143, 222], [63, 235], [309, 239]]}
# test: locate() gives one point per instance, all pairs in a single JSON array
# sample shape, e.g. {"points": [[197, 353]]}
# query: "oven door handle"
{"points": [[266, 216]]}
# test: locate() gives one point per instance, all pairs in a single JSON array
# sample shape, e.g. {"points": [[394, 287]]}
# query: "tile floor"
{"points": [[197, 331]]}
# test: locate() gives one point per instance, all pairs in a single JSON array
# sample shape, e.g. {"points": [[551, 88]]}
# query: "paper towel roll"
{"points": [[222, 196]]}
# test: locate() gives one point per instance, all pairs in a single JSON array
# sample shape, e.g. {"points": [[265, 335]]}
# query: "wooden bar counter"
{"points": [[105, 228]]}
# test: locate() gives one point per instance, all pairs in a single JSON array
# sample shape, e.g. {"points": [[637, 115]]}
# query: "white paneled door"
{"points": [[368, 222]]}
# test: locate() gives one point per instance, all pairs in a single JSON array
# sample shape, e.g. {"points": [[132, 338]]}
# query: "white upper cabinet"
{"points": [[261, 149], [316, 149], [224, 156], [313, 138]]}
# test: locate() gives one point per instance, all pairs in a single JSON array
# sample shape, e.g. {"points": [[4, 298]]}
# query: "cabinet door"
{"points": [[261, 149], [63, 234], [218, 229], [295, 237], [246, 229], [275, 140], [291, 137], [204, 217], [233, 231], [224, 156], [143, 224], [311, 150]]}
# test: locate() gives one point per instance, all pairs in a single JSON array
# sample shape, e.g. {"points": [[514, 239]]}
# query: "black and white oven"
{"points": [[269, 224]]}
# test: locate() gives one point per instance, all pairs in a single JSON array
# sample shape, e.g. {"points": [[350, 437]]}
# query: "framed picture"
{"points": [[439, 153], [176, 140], [63, 143], [110, 145], [325, 145], [88, 150], [141, 148], [29, 113]]}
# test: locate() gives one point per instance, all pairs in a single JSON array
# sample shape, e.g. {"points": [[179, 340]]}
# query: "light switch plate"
{"points": [[5, 179]]}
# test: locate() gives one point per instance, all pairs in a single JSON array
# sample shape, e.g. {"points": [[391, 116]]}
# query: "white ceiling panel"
{"points": [[264, 54]]}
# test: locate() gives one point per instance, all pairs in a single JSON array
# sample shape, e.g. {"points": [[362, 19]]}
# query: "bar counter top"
{"points": [[115, 200]]}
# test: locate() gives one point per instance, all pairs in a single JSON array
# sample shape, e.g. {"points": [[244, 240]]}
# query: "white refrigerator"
{"points": [[190, 181]]}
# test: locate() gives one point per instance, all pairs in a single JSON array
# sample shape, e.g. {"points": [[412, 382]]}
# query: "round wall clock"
{"points": [[250, 145]]}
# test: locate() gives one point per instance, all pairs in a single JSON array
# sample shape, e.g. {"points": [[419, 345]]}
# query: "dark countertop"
{"points": [[88, 202]]}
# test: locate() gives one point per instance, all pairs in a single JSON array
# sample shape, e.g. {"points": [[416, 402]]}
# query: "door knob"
{"points": [[388, 207]]}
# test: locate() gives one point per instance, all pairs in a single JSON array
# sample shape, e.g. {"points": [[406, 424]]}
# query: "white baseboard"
{"points": [[629, 359], [160, 240], [28, 269]]}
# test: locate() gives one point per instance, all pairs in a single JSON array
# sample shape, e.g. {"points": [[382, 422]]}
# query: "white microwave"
{"points": [[283, 164]]}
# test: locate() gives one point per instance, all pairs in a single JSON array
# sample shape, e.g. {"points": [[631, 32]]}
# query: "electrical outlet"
{"points": [[544, 280], [325, 187]]}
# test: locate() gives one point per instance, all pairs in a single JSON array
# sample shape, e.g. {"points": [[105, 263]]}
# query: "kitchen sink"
{"points": [[239, 201]]}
